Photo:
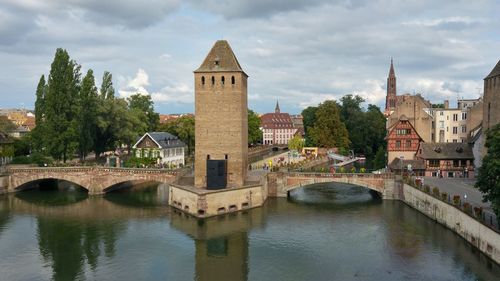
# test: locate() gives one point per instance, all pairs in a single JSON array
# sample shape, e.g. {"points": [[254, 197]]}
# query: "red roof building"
{"points": [[277, 127], [402, 140]]}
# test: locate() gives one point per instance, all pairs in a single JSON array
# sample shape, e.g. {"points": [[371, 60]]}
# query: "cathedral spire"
{"points": [[277, 108], [390, 101]]}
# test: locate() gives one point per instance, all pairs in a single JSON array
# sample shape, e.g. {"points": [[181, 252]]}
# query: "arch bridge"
{"points": [[97, 180], [279, 184]]}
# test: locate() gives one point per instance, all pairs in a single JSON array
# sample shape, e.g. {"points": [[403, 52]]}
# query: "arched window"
{"points": [[202, 80], [223, 80], [232, 80], [213, 80]]}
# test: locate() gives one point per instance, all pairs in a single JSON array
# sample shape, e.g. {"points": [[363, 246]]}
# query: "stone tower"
{"points": [[221, 127], [491, 98], [390, 100]]}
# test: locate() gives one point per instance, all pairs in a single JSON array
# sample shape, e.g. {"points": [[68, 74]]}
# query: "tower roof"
{"points": [[220, 59], [277, 108], [495, 71], [391, 71]]}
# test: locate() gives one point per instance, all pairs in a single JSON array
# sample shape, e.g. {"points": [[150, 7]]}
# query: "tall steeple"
{"points": [[390, 101], [277, 108]]}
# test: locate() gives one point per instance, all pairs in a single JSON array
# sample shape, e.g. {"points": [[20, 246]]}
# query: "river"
{"points": [[323, 232]]}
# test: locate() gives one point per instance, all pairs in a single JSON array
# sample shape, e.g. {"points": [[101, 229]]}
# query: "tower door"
{"points": [[216, 174]]}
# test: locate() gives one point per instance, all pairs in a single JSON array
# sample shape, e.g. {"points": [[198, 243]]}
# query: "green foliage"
{"points": [[296, 143], [107, 90], [40, 129], [61, 106], [22, 146], [7, 150], [143, 107], [328, 129], [254, 132], [35, 158], [6, 126], [183, 128], [380, 158], [86, 122], [488, 180], [139, 162], [309, 119]]}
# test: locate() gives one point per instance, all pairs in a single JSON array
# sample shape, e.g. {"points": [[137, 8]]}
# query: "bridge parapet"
{"points": [[279, 184], [96, 180]]}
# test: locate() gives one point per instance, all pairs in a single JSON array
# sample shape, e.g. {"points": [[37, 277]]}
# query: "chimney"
{"points": [[446, 104]]}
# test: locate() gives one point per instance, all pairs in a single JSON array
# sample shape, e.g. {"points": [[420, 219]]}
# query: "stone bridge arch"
{"points": [[279, 184], [94, 179]]}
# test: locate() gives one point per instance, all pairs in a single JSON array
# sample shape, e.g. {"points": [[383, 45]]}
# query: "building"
{"points": [[450, 124], [449, 160], [391, 98], [277, 127], [221, 114], [402, 140], [166, 118], [165, 147], [491, 98]]}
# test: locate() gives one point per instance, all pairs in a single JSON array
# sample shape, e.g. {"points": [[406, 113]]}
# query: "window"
{"points": [[213, 80], [441, 124], [433, 163], [403, 131], [408, 143], [456, 163], [455, 117], [464, 129], [202, 80], [398, 144], [441, 113], [223, 80], [232, 80], [455, 130], [464, 115]]}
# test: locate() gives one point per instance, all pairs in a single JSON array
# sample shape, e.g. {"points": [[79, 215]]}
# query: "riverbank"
{"points": [[477, 234]]}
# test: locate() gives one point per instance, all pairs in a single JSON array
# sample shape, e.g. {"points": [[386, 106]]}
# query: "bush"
{"points": [[135, 162], [427, 189], [35, 158], [456, 200], [435, 192], [444, 196]]}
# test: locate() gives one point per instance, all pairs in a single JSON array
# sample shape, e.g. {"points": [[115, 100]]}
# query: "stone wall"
{"points": [[479, 235], [207, 203]]}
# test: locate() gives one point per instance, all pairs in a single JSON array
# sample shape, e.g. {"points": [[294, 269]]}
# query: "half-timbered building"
{"points": [[402, 140]]}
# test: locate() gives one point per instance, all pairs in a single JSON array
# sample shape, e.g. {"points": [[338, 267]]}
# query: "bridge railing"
{"points": [[89, 168], [342, 175]]}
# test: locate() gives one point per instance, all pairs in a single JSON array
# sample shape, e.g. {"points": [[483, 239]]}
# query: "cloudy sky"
{"points": [[300, 52]]}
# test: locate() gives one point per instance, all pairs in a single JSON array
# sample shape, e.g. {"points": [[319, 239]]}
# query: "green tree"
{"points": [[488, 180], [329, 130], [309, 119], [254, 132], [86, 118], [6, 126], [61, 106], [107, 90], [143, 107], [380, 159], [296, 143], [39, 130]]}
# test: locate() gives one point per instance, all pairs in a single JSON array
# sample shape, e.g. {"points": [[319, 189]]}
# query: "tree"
{"points": [[296, 143], [309, 119], [39, 130], [60, 106], [328, 129], [143, 107], [488, 180], [254, 132], [87, 119], [107, 90], [6, 126]]}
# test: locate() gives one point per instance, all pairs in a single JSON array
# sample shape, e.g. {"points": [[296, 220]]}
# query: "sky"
{"points": [[298, 52]]}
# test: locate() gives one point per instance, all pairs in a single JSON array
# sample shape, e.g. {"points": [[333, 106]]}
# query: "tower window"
{"points": [[232, 80], [213, 80], [223, 80], [202, 80]]}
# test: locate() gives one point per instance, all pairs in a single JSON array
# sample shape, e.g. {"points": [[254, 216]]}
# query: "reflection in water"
{"points": [[138, 196], [323, 232]]}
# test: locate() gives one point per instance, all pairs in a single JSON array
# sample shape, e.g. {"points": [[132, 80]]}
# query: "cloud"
{"points": [[136, 85], [180, 93]]}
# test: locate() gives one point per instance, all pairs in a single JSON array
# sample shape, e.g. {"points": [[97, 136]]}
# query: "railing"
{"points": [[89, 168], [487, 218]]}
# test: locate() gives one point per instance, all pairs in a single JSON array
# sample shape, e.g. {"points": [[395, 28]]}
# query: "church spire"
{"points": [[277, 108], [390, 100]]}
